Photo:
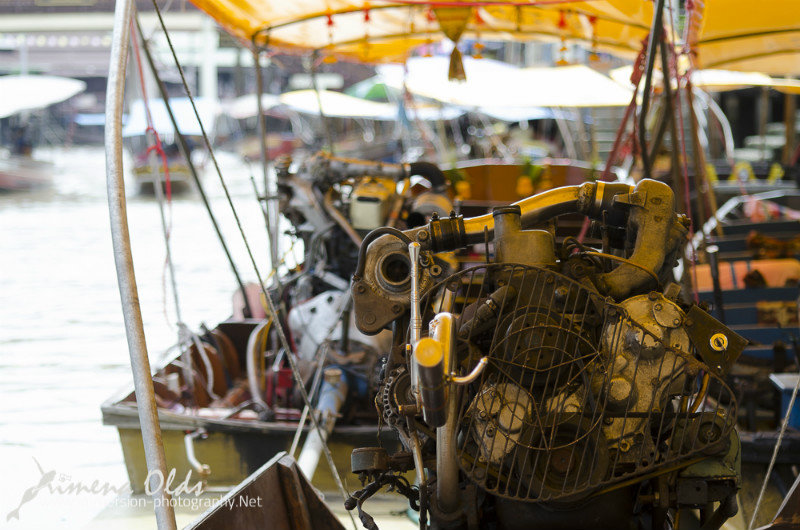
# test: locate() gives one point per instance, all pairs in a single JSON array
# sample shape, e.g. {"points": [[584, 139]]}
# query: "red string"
{"points": [[158, 147]]}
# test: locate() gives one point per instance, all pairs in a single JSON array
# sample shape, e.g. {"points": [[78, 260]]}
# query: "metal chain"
{"points": [[273, 313]]}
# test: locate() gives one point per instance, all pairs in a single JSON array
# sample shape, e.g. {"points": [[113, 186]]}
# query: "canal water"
{"points": [[62, 343]]}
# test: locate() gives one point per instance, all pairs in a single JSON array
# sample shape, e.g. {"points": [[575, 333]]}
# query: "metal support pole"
{"points": [[184, 147], [123, 258], [416, 320], [270, 217], [332, 396], [654, 38], [315, 85], [789, 120]]}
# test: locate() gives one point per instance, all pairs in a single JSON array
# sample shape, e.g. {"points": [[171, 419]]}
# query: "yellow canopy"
{"points": [[375, 30], [743, 35]]}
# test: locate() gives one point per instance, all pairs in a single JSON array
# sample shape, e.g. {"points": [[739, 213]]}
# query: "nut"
{"points": [[719, 342]]}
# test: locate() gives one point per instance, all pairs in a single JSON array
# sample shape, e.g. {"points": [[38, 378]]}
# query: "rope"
{"points": [[273, 313], [157, 147], [184, 148]]}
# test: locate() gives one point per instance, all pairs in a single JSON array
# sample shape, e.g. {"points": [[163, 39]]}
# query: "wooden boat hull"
{"points": [[20, 173], [293, 503], [233, 448]]}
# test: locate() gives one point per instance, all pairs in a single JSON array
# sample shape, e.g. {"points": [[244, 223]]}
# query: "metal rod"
{"points": [[713, 264], [262, 128], [123, 259], [184, 147], [315, 85], [416, 321], [670, 111], [654, 38], [472, 376]]}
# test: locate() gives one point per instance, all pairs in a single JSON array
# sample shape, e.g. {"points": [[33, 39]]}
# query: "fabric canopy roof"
{"points": [[181, 109], [28, 92], [338, 105], [493, 84], [717, 80], [747, 36], [380, 31]]}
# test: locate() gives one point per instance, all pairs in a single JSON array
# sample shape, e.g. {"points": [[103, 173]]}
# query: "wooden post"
{"points": [[789, 121]]}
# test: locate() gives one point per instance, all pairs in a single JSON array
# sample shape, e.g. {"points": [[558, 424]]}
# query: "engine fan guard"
{"points": [[567, 426]]}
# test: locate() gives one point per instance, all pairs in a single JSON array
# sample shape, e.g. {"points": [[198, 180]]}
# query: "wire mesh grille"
{"points": [[579, 393]]}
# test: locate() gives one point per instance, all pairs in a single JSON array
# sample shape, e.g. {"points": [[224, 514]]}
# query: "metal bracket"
{"points": [[717, 344]]}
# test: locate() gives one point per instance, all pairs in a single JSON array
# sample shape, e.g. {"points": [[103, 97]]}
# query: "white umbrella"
{"points": [[28, 92]]}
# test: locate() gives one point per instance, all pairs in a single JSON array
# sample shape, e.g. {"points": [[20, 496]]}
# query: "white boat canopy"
{"points": [[712, 80], [181, 109], [339, 105], [493, 84], [245, 107], [30, 92]]}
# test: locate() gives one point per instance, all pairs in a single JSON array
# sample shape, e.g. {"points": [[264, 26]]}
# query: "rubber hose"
{"points": [[430, 171]]}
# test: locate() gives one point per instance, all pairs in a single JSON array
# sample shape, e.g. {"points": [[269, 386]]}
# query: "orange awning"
{"points": [[744, 35], [375, 31]]}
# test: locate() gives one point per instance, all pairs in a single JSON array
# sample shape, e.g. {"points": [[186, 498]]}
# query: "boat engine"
{"points": [[554, 386]]}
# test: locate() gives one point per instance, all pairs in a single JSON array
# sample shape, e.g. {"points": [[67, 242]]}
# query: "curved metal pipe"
{"points": [[123, 258], [472, 376], [534, 209], [590, 199]]}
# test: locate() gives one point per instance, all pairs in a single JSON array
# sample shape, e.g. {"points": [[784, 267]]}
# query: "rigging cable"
{"points": [[273, 313]]}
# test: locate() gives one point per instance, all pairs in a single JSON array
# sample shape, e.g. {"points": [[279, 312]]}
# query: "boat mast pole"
{"points": [[123, 258]]}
